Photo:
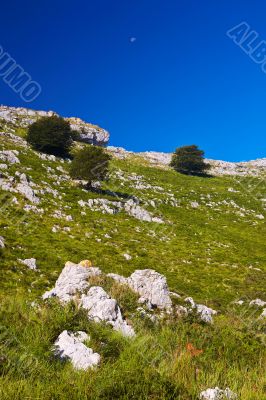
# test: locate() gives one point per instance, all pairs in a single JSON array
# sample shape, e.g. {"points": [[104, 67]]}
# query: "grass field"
{"points": [[213, 251]]}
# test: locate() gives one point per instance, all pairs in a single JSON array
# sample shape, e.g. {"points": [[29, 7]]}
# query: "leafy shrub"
{"points": [[50, 135], [90, 164], [189, 160]]}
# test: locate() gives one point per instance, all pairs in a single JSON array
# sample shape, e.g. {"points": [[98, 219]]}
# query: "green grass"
{"points": [[204, 252]]}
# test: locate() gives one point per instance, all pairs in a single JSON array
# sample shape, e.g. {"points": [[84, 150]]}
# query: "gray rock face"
{"points": [[218, 394], [152, 287], [23, 117], [70, 346], [73, 279], [101, 307]]}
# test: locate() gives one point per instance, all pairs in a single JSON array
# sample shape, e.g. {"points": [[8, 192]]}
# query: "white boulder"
{"points": [[152, 287], [73, 279], [70, 346], [218, 394], [101, 307]]}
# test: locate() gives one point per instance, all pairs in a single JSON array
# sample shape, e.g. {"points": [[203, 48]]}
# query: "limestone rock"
{"points": [[89, 133], [9, 156], [23, 117], [152, 287], [258, 303], [217, 394], [28, 192], [70, 346], [30, 263], [73, 279], [101, 307], [205, 313]]}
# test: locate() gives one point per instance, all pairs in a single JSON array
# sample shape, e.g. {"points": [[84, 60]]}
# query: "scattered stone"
{"points": [[70, 346], [258, 303], [127, 256], [30, 263], [205, 313], [140, 213], [239, 302]]}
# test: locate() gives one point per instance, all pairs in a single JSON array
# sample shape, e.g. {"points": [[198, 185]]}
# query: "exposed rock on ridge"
{"points": [[12, 117]]}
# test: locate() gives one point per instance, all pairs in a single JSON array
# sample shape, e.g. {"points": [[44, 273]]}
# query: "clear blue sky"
{"points": [[182, 81]]}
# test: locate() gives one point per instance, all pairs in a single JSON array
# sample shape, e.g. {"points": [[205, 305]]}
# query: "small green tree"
{"points": [[51, 135], [189, 160], [90, 164]]}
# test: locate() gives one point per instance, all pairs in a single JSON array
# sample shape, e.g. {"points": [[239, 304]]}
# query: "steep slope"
{"points": [[205, 235]]}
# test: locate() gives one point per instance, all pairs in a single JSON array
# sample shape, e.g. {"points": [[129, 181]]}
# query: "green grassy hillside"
{"points": [[211, 246]]}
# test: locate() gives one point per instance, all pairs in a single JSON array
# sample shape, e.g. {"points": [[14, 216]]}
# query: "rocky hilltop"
{"points": [[218, 167], [12, 118]]}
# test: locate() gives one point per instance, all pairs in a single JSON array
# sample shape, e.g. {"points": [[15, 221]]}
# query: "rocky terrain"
{"points": [[152, 287], [12, 118], [218, 168]]}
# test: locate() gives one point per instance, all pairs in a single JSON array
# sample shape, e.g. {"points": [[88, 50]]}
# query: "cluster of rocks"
{"points": [[73, 280], [24, 187], [23, 117], [131, 207], [255, 303], [75, 283]]}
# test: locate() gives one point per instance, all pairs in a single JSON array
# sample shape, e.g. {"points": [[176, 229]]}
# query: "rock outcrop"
{"points": [[70, 346], [73, 279], [11, 117]]}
